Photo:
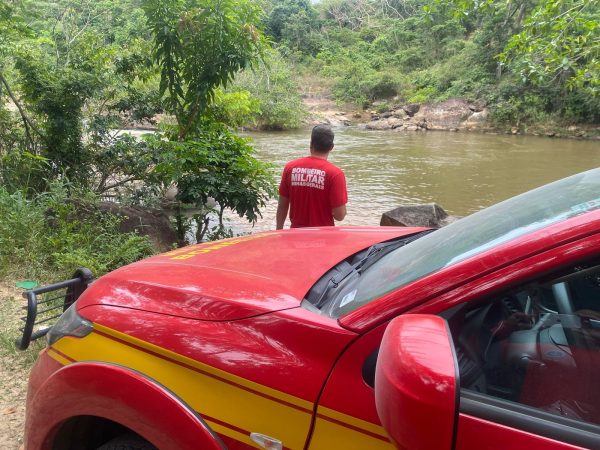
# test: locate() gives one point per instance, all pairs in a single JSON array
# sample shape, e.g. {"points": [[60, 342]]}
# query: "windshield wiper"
{"points": [[318, 294], [377, 251], [331, 280]]}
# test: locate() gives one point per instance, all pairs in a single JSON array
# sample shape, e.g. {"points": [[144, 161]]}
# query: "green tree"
{"points": [[214, 165], [12, 28], [300, 33], [546, 43], [295, 25], [559, 44], [12, 31], [80, 85], [289, 12], [57, 94], [200, 46]]}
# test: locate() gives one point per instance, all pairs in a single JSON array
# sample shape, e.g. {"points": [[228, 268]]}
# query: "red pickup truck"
{"points": [[484, 334]]}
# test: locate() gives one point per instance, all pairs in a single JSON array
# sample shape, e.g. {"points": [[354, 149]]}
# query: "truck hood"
{"points": [[234, 278]]}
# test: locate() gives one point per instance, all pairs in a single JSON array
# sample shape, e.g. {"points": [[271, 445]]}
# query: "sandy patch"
{"points": [[323, 109], [14, 370]]}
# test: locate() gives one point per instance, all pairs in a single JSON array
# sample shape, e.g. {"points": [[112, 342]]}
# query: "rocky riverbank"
{"points": [[452, 115]]}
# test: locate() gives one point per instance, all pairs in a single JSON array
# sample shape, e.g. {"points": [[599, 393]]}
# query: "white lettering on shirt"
{"points": [[302, 176]]}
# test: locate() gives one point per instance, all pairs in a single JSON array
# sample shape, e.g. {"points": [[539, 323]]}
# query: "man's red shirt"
{"points": [[314, 187]]}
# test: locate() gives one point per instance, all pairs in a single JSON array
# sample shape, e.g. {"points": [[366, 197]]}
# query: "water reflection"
{"points": [[463, 172]]}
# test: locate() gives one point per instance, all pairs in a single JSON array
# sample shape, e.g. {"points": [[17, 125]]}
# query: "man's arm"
{"points": [[283, 205], [339, 213], [338, 196]]}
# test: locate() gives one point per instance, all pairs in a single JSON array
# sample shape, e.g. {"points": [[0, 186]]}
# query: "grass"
{"points": [[11, 311], [48, 236]]}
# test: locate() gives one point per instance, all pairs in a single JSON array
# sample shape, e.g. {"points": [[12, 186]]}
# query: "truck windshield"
{"points": [[467, 237]]}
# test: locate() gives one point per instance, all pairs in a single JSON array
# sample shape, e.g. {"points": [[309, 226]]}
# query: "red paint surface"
{"points": [[415, 383], [347, 376], [291, 351], [479, 434], [270, 272]]}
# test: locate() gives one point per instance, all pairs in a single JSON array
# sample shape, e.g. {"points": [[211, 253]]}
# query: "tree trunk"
{"points": [[26, 120]]}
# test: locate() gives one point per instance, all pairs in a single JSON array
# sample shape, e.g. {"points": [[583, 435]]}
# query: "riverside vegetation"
{"points": [[73, 73]]}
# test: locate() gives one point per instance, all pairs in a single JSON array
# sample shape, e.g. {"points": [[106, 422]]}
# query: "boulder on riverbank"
{"points": [[153, 223], [425, 215], [451, 115], [150, 222]]}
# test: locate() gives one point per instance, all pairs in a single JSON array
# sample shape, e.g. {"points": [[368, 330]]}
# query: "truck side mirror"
{"points": [[416, 383]]}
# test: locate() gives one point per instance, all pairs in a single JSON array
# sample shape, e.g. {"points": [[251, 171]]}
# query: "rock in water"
{"points": [[424, 215]]}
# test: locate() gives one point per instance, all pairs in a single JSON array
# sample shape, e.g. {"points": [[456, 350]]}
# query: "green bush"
{"points": [[46, 238], [382, 107], [460, 75], [520, 111], [23, 171], [361, 84], [423, 95], [235, 108], [214, 163], [12, 136], [577, 106]]}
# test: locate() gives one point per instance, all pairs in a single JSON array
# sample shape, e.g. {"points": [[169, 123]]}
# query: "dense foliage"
{"points": [[531, 60], [199, 47], [73, 75], [46, 237], [275, 92]]}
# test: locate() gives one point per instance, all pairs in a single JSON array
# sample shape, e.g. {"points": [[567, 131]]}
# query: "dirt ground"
{"points": [[323, 109], [14, 370]]}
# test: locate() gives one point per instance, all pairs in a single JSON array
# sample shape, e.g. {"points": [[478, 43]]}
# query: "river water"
{"points": [[462, 172]]}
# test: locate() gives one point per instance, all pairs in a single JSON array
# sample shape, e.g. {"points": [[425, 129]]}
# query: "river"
{"points": [[462, 172]]}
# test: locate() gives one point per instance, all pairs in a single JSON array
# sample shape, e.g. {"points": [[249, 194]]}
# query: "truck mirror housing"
{"points": [[416, 383]]}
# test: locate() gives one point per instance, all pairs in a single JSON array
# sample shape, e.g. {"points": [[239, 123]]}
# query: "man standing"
{"points": [[312, 188]]}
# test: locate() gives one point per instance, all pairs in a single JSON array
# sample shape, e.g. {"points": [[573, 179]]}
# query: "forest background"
{"points": [[73, 74]]}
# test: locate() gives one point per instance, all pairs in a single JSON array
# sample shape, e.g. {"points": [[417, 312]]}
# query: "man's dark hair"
{"points": [[321, 139]]}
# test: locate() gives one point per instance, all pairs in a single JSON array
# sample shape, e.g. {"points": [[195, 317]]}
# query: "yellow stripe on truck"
{"points": [[230, 403], [220, 429], [337, 416], [282, 396], [233, 406], [332, 434], [58, 357]]}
